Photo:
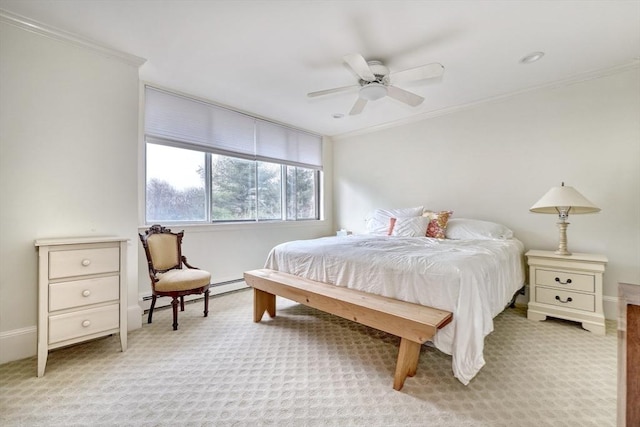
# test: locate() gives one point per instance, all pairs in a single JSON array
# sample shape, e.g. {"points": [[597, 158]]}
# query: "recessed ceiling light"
{"points": [[532, 57], [338, 115]]}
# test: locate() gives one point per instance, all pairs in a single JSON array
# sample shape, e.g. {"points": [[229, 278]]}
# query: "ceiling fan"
{"points": [[376, 82]]}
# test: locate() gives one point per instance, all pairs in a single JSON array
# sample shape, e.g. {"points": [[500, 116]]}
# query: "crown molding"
{"points": [[578, 78], [67, 37]]}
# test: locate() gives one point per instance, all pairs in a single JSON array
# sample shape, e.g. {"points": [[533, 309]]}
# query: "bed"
{"points": [[474, 277]]}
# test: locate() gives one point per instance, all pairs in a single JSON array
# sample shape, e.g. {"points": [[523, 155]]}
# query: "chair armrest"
{"points": [[184, 261]]}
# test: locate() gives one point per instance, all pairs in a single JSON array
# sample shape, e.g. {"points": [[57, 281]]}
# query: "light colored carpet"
{"points": [[307, 368]]}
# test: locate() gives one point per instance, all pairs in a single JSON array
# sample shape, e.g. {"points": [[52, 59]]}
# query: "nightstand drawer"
{"points": [[565, 280], [82, 262], [83, 292], [85, 322], [560, 298]]}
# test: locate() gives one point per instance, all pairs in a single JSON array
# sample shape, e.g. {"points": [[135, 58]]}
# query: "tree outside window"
{"points": [[181, 183]]}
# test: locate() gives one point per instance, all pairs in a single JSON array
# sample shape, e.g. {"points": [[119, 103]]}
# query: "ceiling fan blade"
{"points": [[404, 96], [423, 72], [358, 107], [334, 90], [360, 66]]}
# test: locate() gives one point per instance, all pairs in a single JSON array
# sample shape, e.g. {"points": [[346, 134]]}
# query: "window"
{"points": [[301, 193], [208, 164], [175, 184]]}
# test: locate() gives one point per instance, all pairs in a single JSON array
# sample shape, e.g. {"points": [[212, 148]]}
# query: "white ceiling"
{"points": [[263, 57]]}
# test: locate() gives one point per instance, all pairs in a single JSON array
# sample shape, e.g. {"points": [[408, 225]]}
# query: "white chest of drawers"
{"points": [[82, 292], [567, 287]]}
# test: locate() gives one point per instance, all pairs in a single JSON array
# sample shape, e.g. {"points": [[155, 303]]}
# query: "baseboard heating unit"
{"points": [[215, 289]]}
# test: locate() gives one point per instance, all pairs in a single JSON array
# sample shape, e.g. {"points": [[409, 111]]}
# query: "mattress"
{"points": [[474, 279]]}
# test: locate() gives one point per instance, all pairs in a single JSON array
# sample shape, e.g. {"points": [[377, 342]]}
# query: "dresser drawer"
{"points": [[565, 299], [83, 322], [83, 292], [565, 280], [80, 262]]}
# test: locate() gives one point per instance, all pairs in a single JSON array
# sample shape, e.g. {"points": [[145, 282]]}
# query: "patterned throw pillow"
{"points": [[437, 223]]}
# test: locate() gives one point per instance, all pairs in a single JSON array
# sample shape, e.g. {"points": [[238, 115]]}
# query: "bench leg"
{"points": [[263, 301], [408, 355]]}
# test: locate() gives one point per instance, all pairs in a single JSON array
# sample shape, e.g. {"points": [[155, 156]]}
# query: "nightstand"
{"points": [[567, 287], [82, 292]]}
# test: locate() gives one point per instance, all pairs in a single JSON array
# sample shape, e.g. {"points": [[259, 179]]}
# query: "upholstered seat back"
{"points": [[164, 250]]}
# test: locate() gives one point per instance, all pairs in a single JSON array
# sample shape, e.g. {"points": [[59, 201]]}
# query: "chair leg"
{"points": [[206, 303], [174, 305], [182, 303], [153, 304]]}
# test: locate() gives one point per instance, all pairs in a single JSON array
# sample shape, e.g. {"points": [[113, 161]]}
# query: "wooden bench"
{"points": [[413, 323]]}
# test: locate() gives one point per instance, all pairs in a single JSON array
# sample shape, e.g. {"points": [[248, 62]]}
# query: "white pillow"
{"points": [[464, 228], [378, 220], [415, 226]]}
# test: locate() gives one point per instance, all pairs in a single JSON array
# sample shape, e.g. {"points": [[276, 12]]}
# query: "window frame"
{"points": [[208, 189]]}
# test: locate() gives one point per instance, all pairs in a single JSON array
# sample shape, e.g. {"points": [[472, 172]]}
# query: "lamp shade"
{"points": [[564, 197]]}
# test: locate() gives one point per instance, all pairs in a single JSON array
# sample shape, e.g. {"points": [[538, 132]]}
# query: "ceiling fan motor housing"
{"points": [[378, 68]]}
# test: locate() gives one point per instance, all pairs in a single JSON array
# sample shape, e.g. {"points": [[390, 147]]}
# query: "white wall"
{"points": [[496, 160], [68, 158], [71, 165]]}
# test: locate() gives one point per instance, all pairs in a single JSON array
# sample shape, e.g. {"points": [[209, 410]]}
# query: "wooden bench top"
{"points": [[404, 319]]}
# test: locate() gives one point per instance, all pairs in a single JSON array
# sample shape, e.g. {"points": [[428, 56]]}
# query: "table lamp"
{"points": [[563, 201]]}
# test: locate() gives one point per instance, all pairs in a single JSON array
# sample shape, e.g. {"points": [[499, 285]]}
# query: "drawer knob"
{"points": [[563, 283], [86, 262], [86, 324], [86, 293], [569, 299]]}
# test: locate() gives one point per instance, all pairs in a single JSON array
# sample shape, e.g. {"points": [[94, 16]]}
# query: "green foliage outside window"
{"points": [[240, 190]]}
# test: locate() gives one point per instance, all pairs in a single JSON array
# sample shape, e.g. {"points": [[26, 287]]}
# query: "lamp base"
{"points": [[562, 252], [562, 245]]}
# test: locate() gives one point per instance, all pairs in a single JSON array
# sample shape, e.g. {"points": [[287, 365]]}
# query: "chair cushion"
{"points": [[182, 280]]}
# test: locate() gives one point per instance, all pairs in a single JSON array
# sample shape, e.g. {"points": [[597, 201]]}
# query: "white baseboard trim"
{"points": [[18, 344], [134, 317], [610, 307]]}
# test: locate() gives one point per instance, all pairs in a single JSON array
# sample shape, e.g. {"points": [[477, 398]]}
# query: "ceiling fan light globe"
{"points": [[373, 91]]}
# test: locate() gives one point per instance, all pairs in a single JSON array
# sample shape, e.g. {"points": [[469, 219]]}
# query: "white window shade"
{"points": [[184, 120], [176, 118], [280, 143], [231, 131]]}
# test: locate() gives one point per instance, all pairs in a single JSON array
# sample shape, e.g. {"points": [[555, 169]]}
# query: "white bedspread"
{"points": [[474, 279]]}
